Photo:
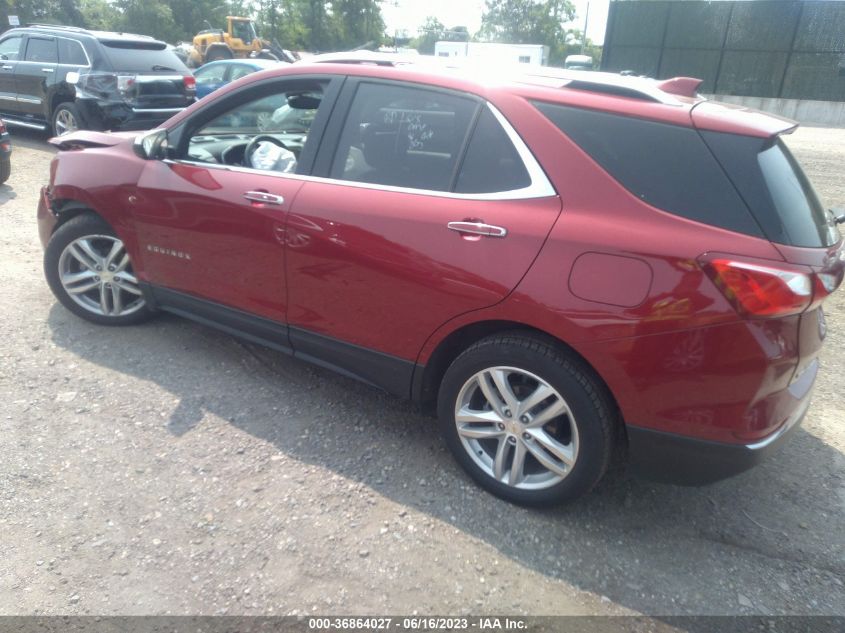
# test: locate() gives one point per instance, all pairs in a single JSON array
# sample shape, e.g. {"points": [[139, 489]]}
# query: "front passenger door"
{"points": [[9, 55], [211, 219]]}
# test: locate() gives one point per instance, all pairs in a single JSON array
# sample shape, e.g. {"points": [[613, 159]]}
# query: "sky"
{"points": [[409, 15]]}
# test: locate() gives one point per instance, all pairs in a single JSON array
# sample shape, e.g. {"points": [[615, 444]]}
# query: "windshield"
{"points": [[244, 30]]}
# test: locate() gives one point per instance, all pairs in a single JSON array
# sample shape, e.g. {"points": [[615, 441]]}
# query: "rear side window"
{"points": [[70, 52], [142, 57], [403, 137], [41, 50], [492, 163], [776, 189], [667, 166]]}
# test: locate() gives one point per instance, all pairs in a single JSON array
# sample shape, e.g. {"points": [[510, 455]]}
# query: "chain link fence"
{"points": [[792, 49]]}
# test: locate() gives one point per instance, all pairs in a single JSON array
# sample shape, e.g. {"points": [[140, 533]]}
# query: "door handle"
{"points": [[478, 228], [264, 197], [6, 67], [46, 70]]}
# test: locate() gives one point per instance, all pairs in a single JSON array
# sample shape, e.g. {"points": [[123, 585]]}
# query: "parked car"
{"points": [[217, 74], [64, 78], [5, 153], [559, 264]]}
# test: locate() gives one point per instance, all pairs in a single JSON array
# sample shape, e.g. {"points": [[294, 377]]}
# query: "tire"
{"points": [[5, 170], [580, 427], [100, 295], [66, 116]]}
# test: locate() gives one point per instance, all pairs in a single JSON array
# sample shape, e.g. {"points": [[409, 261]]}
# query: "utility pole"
{"points": [[586, 23]]}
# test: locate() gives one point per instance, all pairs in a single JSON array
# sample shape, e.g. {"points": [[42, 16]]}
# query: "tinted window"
{"points": [[667, 166], [10, 48], [70, 52], [142, 57], [491, 163], [775, 188], [403, 137], [40, 50]]}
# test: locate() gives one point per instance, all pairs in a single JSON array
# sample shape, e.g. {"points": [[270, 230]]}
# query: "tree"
{"points": [[528, 22], [432, 31]]}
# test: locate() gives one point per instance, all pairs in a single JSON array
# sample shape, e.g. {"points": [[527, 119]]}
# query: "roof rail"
{"points": [[664, 91], [360, 57], [58, 27]]}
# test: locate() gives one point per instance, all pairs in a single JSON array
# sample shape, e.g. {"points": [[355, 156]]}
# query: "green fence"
{"points": [[794, 49]]}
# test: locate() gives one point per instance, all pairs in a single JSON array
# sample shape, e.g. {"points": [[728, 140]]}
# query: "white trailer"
{"points": [[535, 54]]}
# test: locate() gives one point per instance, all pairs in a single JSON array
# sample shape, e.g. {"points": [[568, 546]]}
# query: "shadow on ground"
{"points": [[651, 548]]}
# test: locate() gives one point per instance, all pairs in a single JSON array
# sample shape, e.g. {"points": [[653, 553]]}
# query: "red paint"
{"points": [[379, 269]]}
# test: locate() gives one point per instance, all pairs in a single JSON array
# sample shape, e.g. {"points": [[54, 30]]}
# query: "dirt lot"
{"points": [[168, 468]]}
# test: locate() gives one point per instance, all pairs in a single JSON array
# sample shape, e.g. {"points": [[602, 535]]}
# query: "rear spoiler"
{"points": [[717, 116]]}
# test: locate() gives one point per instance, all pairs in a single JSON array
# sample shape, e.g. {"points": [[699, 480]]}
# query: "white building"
{"points": [[535, 54]]}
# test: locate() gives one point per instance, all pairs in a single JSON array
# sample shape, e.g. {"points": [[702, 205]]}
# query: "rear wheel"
{"points": [[66, 119], [526, 420], [89, 271]]}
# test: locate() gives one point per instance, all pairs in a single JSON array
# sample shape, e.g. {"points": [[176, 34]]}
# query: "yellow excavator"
{"points": [[239, 40]]}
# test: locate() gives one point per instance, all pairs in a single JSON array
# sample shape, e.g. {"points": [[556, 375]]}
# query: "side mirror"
{"points": [[151, 145], [838, 215]]}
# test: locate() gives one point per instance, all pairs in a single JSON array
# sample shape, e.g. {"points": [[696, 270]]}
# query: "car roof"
{"points": [[258, 64], [670, 101], [105, 36]]}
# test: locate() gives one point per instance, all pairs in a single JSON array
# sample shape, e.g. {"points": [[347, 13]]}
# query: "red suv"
{"points": [[561, 264]]}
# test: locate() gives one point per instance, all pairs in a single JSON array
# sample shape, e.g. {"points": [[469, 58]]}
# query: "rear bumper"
{"points": [[116, 116], [679, 459]]}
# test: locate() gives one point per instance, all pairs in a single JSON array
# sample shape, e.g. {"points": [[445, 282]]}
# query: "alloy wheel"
{"points": [[96, 273], [65, 122], [517, 428]]}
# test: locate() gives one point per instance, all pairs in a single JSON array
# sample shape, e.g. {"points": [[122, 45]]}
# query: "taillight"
{"points": [[190, 83], [757, 290], [125, 84], [2, 127]]}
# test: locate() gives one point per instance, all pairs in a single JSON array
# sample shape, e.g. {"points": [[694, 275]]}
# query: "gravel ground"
{"points": [[171, 469]]}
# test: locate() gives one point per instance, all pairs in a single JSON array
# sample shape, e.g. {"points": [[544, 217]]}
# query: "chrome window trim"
{"points": [[159, 110], [84, 52], [540, 186]]}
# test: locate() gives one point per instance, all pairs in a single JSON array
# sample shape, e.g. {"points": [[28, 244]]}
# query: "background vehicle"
{"points": [[578, 62], [5, 153], [413, 233], [65, 78], [240, 40], [215, 75]]}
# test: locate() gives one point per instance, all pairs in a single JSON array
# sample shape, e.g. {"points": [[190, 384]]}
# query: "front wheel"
{"points": [[89, 271], [529, 422]]}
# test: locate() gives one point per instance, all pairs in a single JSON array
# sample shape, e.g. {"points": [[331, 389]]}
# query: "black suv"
{"points": [[64, 78]]}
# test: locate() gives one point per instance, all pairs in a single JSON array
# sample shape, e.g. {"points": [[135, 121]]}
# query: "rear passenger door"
{"points": [[387, 242], [36, 74]]}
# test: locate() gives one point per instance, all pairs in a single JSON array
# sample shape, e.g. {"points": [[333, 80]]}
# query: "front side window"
{"points": [[403, 137], [268, 132], [10, 48], [41, 50]]}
